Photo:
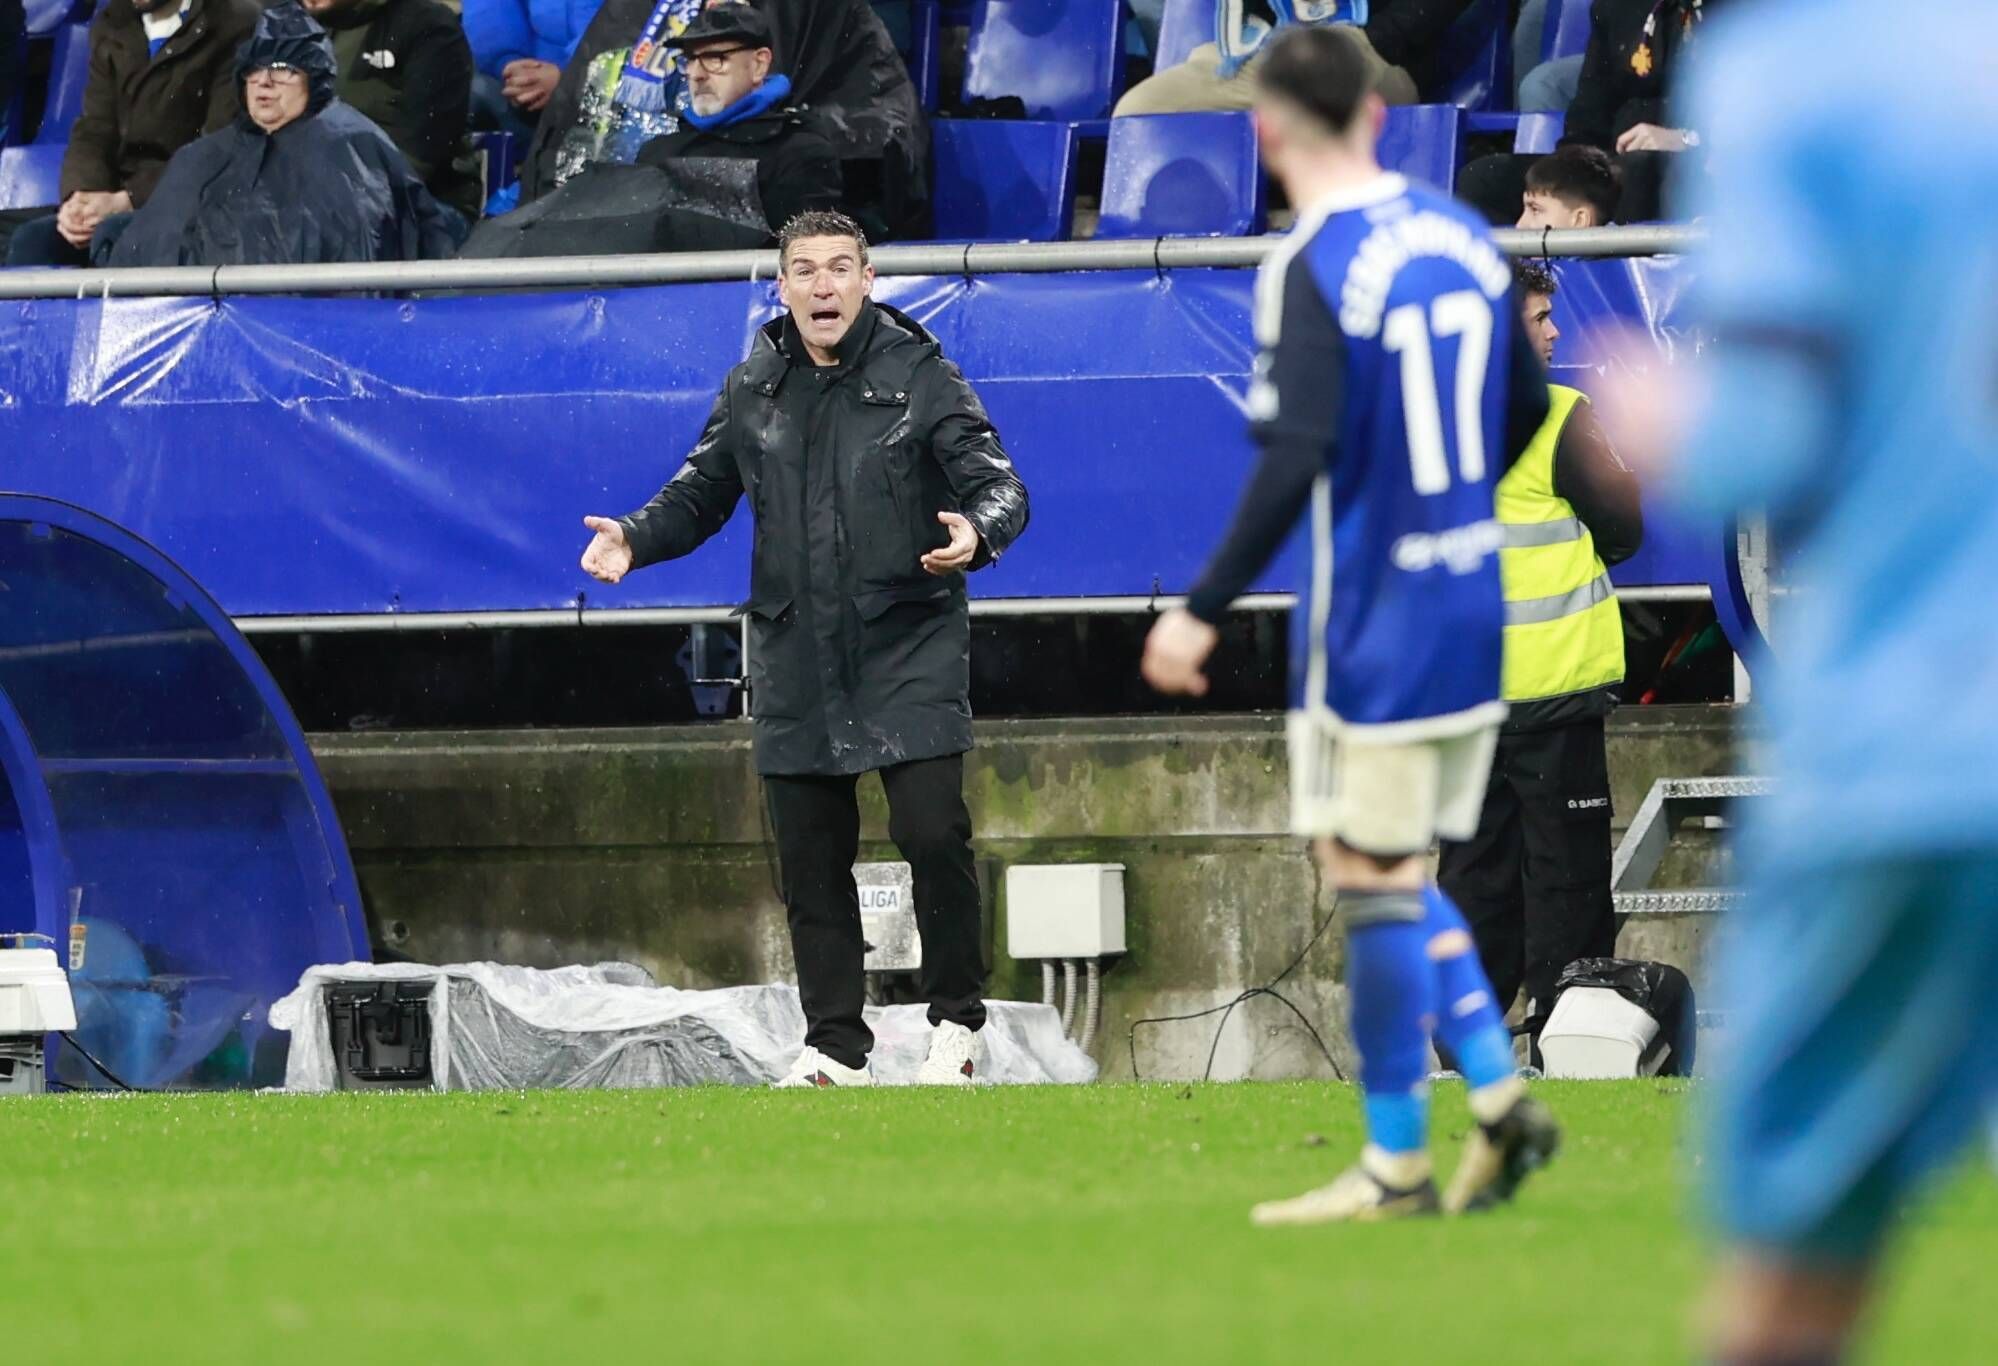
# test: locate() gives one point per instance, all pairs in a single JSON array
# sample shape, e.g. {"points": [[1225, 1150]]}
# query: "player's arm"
{"points": [[1295, 406], [1525, 389], [1601, 489]]}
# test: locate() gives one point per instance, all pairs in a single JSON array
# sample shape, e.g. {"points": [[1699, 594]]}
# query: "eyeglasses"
{"points": [[715, 60], [277, 73]]}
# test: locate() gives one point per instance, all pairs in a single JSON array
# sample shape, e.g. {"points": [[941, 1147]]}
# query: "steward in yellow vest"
{"points": [[1563, 632], [1534, 882]]}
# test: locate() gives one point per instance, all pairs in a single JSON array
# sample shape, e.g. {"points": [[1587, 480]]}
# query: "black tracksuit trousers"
{"points": [[816, 821], [1534, 882]]}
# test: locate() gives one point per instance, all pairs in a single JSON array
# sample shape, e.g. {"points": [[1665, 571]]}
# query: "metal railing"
{"points": [[605, 272]]}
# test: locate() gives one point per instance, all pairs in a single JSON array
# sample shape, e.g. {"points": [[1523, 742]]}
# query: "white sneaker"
{"points": [[814, 1068], [957, 1057], [1358, 1196]]}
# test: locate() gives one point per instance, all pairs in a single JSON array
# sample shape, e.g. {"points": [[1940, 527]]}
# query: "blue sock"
{"points": [[1393, 988], [1468, 1019]]}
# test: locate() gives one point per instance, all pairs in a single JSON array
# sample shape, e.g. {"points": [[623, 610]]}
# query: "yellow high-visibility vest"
{"points": [[1563, 632]]}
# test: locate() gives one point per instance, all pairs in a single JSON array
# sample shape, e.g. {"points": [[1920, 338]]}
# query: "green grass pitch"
{"points": [[1099, 1224]]}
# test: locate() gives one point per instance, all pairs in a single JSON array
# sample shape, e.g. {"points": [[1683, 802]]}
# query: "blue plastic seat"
{"points": [[1566, 30], [1538, 133], [1423, 142], [69, 68], [1003, 180], [925, 56], [30, 176], [46, 17], [499, 154], [1064, 59], [1476, 59], [1182, 175], [1184, 26]]}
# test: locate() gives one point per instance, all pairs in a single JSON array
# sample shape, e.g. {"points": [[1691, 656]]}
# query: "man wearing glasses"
{"points": [[877, 484], [739, 109], [300, 177]]}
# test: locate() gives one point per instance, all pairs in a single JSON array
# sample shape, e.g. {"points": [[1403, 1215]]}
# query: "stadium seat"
{"points": [[1476, 59], [1537, 133], [1003, 180], [30, 176], [1184, 26], [69, 67], [1566, 31], [499, 160], [1182, 175], [1062, 58], [1422, 142], [925, 54], [47, 17]]}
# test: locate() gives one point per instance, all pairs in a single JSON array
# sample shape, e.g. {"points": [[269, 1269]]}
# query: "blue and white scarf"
{"points": [[1239, 35], [652, 73]]}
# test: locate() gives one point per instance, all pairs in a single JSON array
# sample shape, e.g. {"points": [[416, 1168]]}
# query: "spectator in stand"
{"points": [[1397, 40], [1636, 51], [1575, 187], [737, 108], [298, 177], [520, 48], [159, 78], [742, 164], [407, 66], [1540, 87], [627, 86]]}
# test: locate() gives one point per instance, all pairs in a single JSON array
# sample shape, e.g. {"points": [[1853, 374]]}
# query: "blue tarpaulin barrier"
{"points": [[340, 456]]}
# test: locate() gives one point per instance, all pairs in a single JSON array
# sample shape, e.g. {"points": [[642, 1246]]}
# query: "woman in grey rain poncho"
{"points": [[299, 177]]}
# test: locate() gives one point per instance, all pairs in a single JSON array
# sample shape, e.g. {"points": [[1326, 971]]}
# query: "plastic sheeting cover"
{"points": [[501, 1027]]}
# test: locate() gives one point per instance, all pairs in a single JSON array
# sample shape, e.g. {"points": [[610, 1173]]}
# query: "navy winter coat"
{"points": [[327, 187]]}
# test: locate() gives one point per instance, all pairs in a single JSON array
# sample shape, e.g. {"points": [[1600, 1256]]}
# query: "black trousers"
{"points": [[816, 821], [1534, 882]]}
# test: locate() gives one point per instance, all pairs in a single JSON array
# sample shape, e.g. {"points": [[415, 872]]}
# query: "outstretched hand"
{"points": [[608, 556], [1176, 652], [963, 547]]}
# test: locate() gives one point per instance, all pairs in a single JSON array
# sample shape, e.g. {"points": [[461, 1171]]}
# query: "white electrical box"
{"points": [[34, 993], [1065, 910]]}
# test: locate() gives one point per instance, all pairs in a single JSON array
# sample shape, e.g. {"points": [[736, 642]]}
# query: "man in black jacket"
{"points": [[841, 63], [160, 77], [877, 483], [406, 65], [738, 110], [1637, 56]]}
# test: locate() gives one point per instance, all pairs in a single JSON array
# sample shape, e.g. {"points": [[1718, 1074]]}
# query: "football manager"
{"points": [[877, 483]]}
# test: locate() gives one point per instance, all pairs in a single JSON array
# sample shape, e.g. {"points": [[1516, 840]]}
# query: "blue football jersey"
{"points": [[1390, 340], [1851, 283]]}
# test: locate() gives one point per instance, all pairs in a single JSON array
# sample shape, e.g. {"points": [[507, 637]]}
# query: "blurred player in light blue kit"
{"points": [[1852, 287], [1395, 386]]}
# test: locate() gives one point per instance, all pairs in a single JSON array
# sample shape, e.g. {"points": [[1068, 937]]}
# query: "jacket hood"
{"points": [[288, 34]]}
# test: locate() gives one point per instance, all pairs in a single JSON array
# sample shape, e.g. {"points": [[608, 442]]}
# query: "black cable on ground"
{"points": [[1228, 1009], [91, 1058]]}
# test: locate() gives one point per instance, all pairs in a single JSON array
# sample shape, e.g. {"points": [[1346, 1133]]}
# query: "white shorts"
{"points": [[1386, 799]]}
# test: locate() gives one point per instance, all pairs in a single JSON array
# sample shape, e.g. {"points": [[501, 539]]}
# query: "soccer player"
{"points": [[1393, 388], [1851, 283]]}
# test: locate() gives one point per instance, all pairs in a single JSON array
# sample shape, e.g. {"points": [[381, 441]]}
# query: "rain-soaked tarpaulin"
{"points": [[160, 815]]}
